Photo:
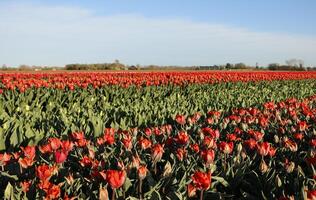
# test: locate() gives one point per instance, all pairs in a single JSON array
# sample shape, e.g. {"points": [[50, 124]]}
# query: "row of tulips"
{"points": [[23, 81], [248, 153]]}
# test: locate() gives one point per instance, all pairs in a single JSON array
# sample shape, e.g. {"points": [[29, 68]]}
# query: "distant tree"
{"points": [[273, 66], [240, 66], [4, 67], [228, 66]]}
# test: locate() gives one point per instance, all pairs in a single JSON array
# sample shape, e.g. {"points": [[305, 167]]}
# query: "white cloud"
{"points": [[43, 35]]}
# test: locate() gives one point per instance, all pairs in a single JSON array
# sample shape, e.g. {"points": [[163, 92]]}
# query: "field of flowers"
{"points": [[158, 135]]}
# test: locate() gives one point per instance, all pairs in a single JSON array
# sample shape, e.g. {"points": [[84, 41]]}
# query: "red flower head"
{"points": [[208, 156], [144, 143], [191, 190], [298, 136], [180, 119], [263, 121], [115, 178], [46, 148], [313, 143], [209, 142], [61, 156], [29, 151], [55, 143], [44, 172], [251, 143], [147, 131], [109, 136], [86, 161], [26, 162], [201, 180], [182, 138], [311, 195], [25, 186], [157, 151], [226, 147], [78, 135], [291, 145], [231, 137], [181, 153], [67, 145], [142, 172], [4, 159], [302, 125], [195, 148], [53, 192], [127, 142], [263, 148]]}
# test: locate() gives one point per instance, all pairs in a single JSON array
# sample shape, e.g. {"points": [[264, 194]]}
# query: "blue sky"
{"points": [[174, 32]]}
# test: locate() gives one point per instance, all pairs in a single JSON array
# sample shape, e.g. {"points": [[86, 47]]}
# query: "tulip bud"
{"points": [[142, 172], [191, 190], [243, 154], [290, 167], [167, 170], [263, 166], [103, 194], [276, 139], [239, 147], [244, 126], [70, 179], [212, 168], [278, 181]]}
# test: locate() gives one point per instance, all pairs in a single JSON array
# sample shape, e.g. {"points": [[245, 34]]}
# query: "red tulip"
{"points": [[144, 143], [115, 178], [46, 148], [86, 161], [208, 156], [26, 162], [311, 195], [191, 190], [44, 172], [195, 148], [302, 126], [181, 153], [78, 135], [157, 151], [142, 172], [209, 142], [298, 136], [180, 119], [182, 138], [250, 144], [263, 148], [226, 147], [4, 159], [29, 151], [109, 136], [25, 185], [55, 143], [67, 145], [53, 192], [60, 156], [147, 131], [201, 180]]}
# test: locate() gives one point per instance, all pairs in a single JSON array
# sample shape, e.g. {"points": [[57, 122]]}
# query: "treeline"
{"points": [[99, 66], [291, 65]]}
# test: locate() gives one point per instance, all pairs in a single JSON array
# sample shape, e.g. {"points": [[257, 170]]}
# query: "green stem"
{"points": [[201, 195], [140, 189], [113, 194]]}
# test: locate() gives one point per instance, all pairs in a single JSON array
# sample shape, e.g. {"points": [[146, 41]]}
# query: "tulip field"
{"points": [[158, 135]]}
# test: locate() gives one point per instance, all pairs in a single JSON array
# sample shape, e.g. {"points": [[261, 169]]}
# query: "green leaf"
{"points": [[9, 175], [221, 180], [8, 192]]}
